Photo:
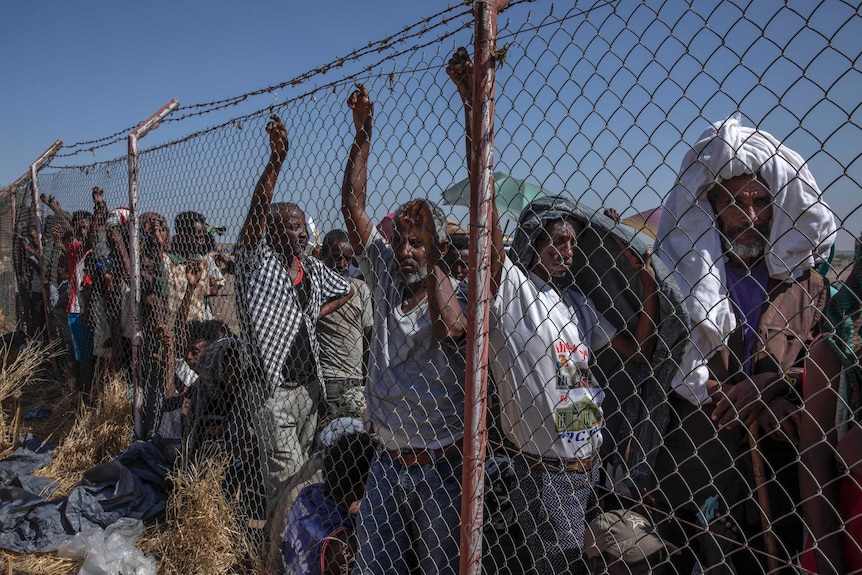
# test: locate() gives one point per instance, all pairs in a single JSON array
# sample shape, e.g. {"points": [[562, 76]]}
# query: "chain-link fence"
{"points": [[652, 405]]}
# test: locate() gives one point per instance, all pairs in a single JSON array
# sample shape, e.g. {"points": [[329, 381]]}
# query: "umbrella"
{"points": [[511, 195], [646, 221]]}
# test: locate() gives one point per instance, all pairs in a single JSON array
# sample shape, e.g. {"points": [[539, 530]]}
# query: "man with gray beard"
{"points": [[742, 229], [409, 518]]}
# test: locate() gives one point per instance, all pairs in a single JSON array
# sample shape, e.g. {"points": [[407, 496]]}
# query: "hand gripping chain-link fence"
{"points": [[673, 309]]}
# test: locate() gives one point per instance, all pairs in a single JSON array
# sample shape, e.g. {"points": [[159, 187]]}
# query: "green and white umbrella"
{"points": [[511, 195]]}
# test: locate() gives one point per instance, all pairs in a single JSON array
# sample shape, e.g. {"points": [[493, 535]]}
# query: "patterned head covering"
{"points": [[338, 428], [118, 217], [538, 214]]}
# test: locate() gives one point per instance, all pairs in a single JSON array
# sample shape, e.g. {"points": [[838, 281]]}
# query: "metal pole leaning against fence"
{"points": [[479, 287], [142, 130], [40, 163]]}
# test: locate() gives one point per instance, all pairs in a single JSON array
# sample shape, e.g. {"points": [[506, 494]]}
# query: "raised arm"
{"points": [[55, 206], [30, 246], [354, 190], [116, 235], [334, 304], [100, 217], [194, 273], [460, 70], [254, 227]]}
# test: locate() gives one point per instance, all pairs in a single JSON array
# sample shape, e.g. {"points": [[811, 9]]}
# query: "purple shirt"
{"points": [[747, 289], [312, 519]]}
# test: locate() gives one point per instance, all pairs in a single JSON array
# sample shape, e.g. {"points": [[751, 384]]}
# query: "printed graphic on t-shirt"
{"points": [[572, 365], [577, 414]]}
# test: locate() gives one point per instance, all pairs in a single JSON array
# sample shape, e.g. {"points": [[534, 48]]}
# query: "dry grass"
{"points": [[6, 324], [37, 564], [202, 533], [27, 370], [24, 384], [99, 434], [86, 437]]}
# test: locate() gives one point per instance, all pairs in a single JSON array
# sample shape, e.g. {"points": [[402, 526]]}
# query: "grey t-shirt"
{"points": [[415, 387]]}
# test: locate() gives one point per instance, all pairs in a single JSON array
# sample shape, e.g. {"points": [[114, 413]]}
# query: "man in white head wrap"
{"points": [[742, 229]]}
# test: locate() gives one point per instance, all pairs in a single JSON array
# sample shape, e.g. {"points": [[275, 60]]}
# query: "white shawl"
{"points": [[802, 232]]}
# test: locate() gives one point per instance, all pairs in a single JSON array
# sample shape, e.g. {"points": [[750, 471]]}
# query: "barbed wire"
{"points": [[378, 46], [216, 105]]}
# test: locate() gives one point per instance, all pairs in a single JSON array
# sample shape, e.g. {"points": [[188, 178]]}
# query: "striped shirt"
{"points": [[269, 311]]}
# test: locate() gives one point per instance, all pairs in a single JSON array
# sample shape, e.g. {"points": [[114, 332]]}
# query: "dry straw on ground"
{"points": [[99, 434], [24, 380], [17, 372], [202, 533]]}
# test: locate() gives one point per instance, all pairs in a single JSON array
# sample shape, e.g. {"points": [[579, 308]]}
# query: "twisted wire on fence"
{"points": [[628, 303]]}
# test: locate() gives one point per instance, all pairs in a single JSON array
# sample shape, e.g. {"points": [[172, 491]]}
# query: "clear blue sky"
{"points": [[78, 71], [602, 109]]}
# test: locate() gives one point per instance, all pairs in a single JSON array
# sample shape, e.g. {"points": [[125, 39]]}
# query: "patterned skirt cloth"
{"points": [[553, 510]]}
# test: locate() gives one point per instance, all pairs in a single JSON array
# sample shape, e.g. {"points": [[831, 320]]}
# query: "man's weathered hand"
{"points": [[748, 398], [98, 195], [194, 272], [781, 418], [50, 201], [740, 400], [418, 219], [278, 142], [362, 106], [460, 70]]}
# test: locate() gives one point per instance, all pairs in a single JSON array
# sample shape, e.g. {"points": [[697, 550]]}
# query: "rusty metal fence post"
{"points": [[479, 289], [40, 162], [142, 130]]}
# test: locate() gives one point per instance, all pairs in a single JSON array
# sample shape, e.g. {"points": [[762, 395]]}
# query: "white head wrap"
{"points": [[118, 217], [801, 234]]}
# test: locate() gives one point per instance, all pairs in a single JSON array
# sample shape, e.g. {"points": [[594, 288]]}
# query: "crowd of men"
{"points": [[653, 407]]}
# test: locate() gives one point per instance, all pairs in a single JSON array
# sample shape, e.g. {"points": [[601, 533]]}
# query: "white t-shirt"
{"points": [[541, 344], [415, 385]]}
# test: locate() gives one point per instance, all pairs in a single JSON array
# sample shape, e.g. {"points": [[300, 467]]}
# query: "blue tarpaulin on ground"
{"points": [[132, 485]]}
